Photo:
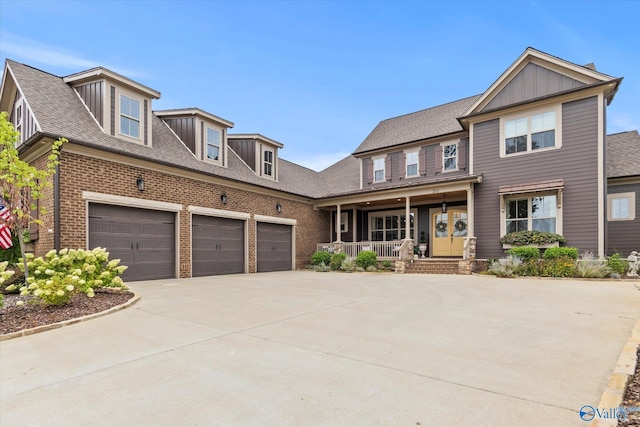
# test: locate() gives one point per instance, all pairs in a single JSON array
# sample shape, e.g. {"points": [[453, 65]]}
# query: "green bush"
{"points": [[321, 268], [617, 265], [563, 252], [525, 253], [56, 277], [366, 259], [386, 265], [336, 260], [558, 267], [523, 238], [531, 267], [348, 266], [319, 257], [12, 255]]}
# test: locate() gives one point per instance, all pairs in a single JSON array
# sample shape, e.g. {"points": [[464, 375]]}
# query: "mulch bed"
{"points": [[15, 318], [632, 398]]}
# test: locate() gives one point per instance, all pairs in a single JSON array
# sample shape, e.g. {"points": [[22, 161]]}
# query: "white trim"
{"points": [[275, 220], [398, 212], [255, 136], [528, 114], [445, 144], [346, 222], [200, 210], [101, 71], [205, 145], [602, 181], [193, 112], [133, 202], [630, 197], [528, 196], [415, 150], [471, 144], [15, 81], [119, 94], [382, 157]]}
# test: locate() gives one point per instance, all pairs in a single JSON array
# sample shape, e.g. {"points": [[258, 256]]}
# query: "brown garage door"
{"points": [[143, 239], [274, 247], [218, 245]]}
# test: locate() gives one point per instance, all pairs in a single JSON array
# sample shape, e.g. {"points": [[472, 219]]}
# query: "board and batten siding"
{"points": [[246, 149], [92, 96], [624, 236], [428, 158], [576, 162], [185, 128]]}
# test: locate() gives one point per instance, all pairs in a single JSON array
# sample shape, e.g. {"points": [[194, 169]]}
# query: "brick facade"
{"points": [[80, 173]]}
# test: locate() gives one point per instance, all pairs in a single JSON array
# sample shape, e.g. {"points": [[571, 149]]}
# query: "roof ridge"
{"points": [[32, 67], [624, 131], [430, 108]]}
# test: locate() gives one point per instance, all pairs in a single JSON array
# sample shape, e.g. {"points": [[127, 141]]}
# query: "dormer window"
{"points": [[268, 163], [129, 116], [213, 144]]}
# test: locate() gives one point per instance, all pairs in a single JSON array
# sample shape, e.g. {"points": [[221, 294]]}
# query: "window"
{"points": [[412, 163], [449, 157], [387, 226], [532, 213], [213, 144], [621, 207], [378, 169], [268, 163], [344, 222], [129, 116], [530, 133]]}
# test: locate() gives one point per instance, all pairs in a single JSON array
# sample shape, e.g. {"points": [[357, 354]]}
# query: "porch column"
{"points": [[338, 224], [355, 224], [470, 212], [407, 218]]}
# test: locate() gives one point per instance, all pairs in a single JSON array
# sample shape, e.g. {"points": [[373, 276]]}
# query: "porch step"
{"points": [[433, 266]]}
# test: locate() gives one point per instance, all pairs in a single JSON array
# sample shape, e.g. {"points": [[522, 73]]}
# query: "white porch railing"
{"points": [[384, 250]]}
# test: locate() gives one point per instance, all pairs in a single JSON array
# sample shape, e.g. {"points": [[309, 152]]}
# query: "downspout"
{"points": [[56, 209]]}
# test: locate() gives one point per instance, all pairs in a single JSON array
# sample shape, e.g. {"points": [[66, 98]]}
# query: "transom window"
{"points": [[129, 116], [213, 144], [621, 207], [530, 133], [412, 163], [378, 169], [388, 226], [268, 163], [537, 213], [450, 157]]}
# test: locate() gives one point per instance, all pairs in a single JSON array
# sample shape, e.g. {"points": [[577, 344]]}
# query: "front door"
{"points": [[448, 231]]}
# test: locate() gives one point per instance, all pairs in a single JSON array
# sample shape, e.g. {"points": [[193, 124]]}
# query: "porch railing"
{"points": [[385, 250]]}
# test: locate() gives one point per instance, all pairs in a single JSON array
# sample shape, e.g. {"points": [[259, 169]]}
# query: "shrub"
{"points": [[525, 253], [365, 259], [348, 266], [523, 238], [56, 277], [563, 252], [617, 265], [530, 267], [336, 260], [386, 265], [4, 273], [322, 267], [558, 267], [319, 257], [591, 266], [372, 268], [505, 267], [12, 255]]}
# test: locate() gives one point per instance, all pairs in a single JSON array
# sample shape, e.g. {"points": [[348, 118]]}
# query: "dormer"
{"points": [[12, 101], [120, 106], [258, 152], [204, 134]]}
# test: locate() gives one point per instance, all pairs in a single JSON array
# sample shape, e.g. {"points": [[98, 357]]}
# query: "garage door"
{"points": [[217, 245], [143, 239], [274, 247]]}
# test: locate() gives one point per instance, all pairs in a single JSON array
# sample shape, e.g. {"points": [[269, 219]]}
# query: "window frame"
{"points": [[448, 144], [130, 118], [269, 163], [344, 222], [631, 199], [528, 114], [381, 159], [407, 164], [395, 212], [529, 196], [206, 144]]}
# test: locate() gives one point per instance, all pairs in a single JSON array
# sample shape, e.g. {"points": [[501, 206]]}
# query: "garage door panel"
{"points": [[274, 247], [218, 246]]}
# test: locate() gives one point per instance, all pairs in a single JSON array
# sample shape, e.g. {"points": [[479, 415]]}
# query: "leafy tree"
{"points": [[21, 184]]}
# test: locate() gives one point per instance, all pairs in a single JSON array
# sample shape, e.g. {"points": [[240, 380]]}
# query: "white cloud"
{"points": [[319, 162]]}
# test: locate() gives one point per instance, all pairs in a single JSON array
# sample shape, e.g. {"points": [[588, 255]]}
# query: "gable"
{"points": [[533, 81]]}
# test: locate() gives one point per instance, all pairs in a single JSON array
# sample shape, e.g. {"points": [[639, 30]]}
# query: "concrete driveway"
{"points": [[302, 348]]}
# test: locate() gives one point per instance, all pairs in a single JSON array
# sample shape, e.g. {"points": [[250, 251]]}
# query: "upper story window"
{"points": [[450, 157], [530, 133], [268, 163], [129, 116], [213, 144], [412, 164], [621, 207], [537, 213], [378, 169]]}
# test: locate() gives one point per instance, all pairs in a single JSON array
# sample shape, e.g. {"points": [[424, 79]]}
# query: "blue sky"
{"points": [[319, 76]]}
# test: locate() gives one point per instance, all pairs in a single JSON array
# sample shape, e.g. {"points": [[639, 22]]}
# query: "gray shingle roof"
{"points": [[429, 123], [623, 154], [342, 177]]}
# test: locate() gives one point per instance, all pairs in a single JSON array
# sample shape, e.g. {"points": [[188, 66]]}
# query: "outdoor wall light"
{"points": [[444, 204], [279, 207], [223, 198], [140, 183]]}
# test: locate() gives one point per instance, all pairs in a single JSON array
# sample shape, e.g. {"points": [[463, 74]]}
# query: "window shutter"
{"points": [[387, 168], [438, 159], [403, 165], [462, 153], [112, 94], [422, 161], [34, 228], [368, 163]]}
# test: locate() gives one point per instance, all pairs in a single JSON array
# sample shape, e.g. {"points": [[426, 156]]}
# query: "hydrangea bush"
{"points": [[4, 275], [57, 276]]}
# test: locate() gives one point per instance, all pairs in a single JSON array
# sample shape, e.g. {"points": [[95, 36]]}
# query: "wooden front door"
{"points": [[448, 231]]}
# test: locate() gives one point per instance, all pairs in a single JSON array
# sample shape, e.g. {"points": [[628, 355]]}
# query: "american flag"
{"points": [[5, 233]]}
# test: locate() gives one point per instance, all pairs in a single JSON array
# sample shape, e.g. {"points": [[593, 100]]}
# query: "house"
{"points": [[173, 193]]}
